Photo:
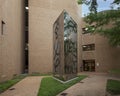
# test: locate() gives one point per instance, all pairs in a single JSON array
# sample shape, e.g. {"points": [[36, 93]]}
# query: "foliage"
{"points": [[101, 20], [52, 87], [113, 86]]}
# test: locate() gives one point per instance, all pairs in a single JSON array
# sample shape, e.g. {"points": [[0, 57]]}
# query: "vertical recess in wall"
{"points": [[26, 37], [2, 27]]}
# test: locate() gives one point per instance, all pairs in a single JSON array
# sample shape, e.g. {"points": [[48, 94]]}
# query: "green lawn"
{"points": [[115, 71], [52, 87], [38, 74], [113, 87], [7, 84]]}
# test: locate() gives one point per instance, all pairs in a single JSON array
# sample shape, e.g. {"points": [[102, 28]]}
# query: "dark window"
{"points": [[26, 18], [89, 65], [2, 27], [88, 47], [86, 30], [26, 2]]}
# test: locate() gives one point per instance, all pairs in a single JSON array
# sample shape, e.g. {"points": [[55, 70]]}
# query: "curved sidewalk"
{"points": [[93, 85], [26, 87]]}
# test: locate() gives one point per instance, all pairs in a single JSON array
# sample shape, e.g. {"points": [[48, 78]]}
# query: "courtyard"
{"points": [[89, 84], [52, 36]]}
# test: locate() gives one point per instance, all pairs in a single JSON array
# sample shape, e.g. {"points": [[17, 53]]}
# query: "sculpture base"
{"points": [[66, 77]]}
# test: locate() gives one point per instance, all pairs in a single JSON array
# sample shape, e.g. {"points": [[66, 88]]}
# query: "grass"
{"points": [[113, 87], [39, 74], [7, 84], [52, 87], [116, 71]]}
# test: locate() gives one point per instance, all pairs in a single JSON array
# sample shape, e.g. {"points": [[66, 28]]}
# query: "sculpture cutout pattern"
{"points": [[65, 47]]}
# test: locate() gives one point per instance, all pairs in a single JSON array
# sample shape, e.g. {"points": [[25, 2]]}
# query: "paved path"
{"points": [[27, 87], [93, 85]]}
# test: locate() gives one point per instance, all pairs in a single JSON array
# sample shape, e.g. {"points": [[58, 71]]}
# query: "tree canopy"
{"points": [[101, 19]]}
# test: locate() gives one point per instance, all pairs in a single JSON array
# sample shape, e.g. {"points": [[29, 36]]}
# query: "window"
{"points": [[89, 65], [2, 27], [85, 30], [88, 47], [88, 29], [26, 2]]}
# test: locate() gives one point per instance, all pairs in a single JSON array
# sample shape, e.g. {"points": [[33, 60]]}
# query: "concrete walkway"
{"points": [[27, 87], [93, 85]]}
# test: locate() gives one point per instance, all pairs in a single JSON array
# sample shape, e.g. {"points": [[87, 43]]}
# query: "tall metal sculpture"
{"points": [[65, 47]]}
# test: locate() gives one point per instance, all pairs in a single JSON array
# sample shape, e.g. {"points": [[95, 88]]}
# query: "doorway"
{"points": [[89, 65]]}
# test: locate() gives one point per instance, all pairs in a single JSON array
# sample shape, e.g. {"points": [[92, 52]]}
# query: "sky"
{"points": [[102, 5]]}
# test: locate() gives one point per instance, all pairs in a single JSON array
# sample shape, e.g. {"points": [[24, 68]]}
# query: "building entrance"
{"points": [[89, 65]]}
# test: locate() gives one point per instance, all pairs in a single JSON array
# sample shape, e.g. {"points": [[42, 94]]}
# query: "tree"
{"points": [[102, 19]]}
